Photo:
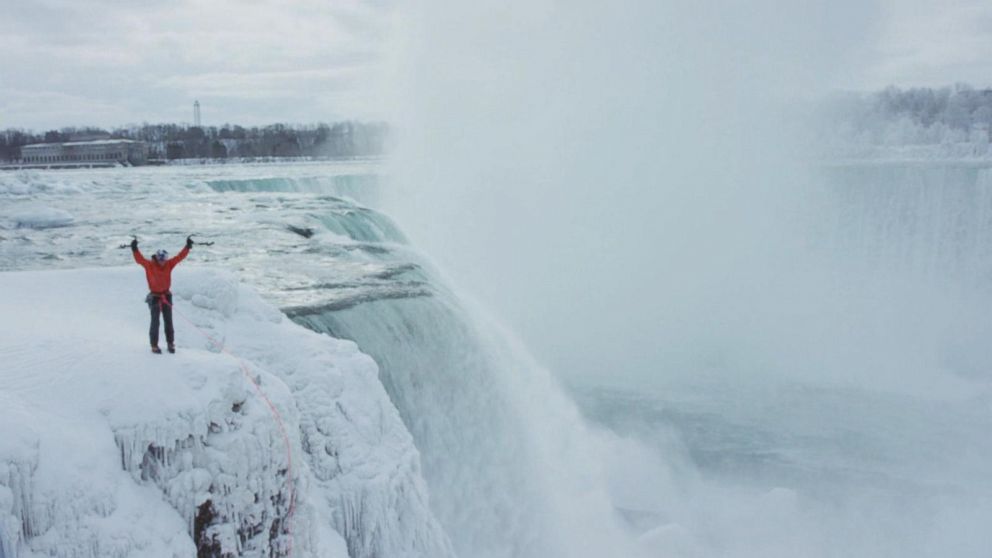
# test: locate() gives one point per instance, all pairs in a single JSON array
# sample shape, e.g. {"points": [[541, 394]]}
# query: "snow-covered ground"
{"points": [[110, 450]]}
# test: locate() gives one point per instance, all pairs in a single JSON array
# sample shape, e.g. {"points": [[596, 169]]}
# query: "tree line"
{"points": [[177, 141], [920, 115]]}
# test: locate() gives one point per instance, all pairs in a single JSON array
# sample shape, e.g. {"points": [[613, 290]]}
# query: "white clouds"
{"points": [[933, 42], [263, 85], [26, 106], [251, 62], [257, 61]]}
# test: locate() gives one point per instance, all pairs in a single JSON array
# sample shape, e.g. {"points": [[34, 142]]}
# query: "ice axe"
{"points": [[200, 242], [128, 245]]}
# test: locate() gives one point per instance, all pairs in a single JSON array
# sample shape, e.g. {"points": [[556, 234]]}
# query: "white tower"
{"points": [[196, 113]]}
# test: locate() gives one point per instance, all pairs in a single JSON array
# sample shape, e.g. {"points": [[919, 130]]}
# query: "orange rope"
{"points": [[290, 487]]}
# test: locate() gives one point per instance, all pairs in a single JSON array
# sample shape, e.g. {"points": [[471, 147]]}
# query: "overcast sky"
{"points": [[931, 42], [114, 62]]}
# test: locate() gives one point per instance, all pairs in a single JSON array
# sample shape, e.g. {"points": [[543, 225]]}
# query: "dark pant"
{"points": [[158, 306]]}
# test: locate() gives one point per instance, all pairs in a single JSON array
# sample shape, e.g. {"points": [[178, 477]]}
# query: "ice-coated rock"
{"points": [[109, 450]]}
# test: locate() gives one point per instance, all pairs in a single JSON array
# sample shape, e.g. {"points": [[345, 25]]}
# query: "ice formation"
{"points": [[41, 218], [109, 450]]}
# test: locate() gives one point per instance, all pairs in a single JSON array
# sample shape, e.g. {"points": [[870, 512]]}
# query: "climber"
{"points": [[158, 272]]}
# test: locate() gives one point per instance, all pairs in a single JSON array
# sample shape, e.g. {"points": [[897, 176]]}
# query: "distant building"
{"points": [[88, 136], [110, 151]]}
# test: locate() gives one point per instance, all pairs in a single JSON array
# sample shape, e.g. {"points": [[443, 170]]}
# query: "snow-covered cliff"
{"points": [[108, 450]]}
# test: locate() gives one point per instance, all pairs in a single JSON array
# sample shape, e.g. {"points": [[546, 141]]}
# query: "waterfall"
{"points": [[364, 187], [511, 468], [909, 248], [932, 221]]}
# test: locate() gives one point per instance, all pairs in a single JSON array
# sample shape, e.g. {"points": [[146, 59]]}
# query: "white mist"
{"points": [[630, 187]]}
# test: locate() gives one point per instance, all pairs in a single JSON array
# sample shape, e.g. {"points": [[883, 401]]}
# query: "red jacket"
{"points": [[159, 276]]}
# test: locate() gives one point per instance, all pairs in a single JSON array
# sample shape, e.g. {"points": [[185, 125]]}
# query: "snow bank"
{"points": [[108, 450]]}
